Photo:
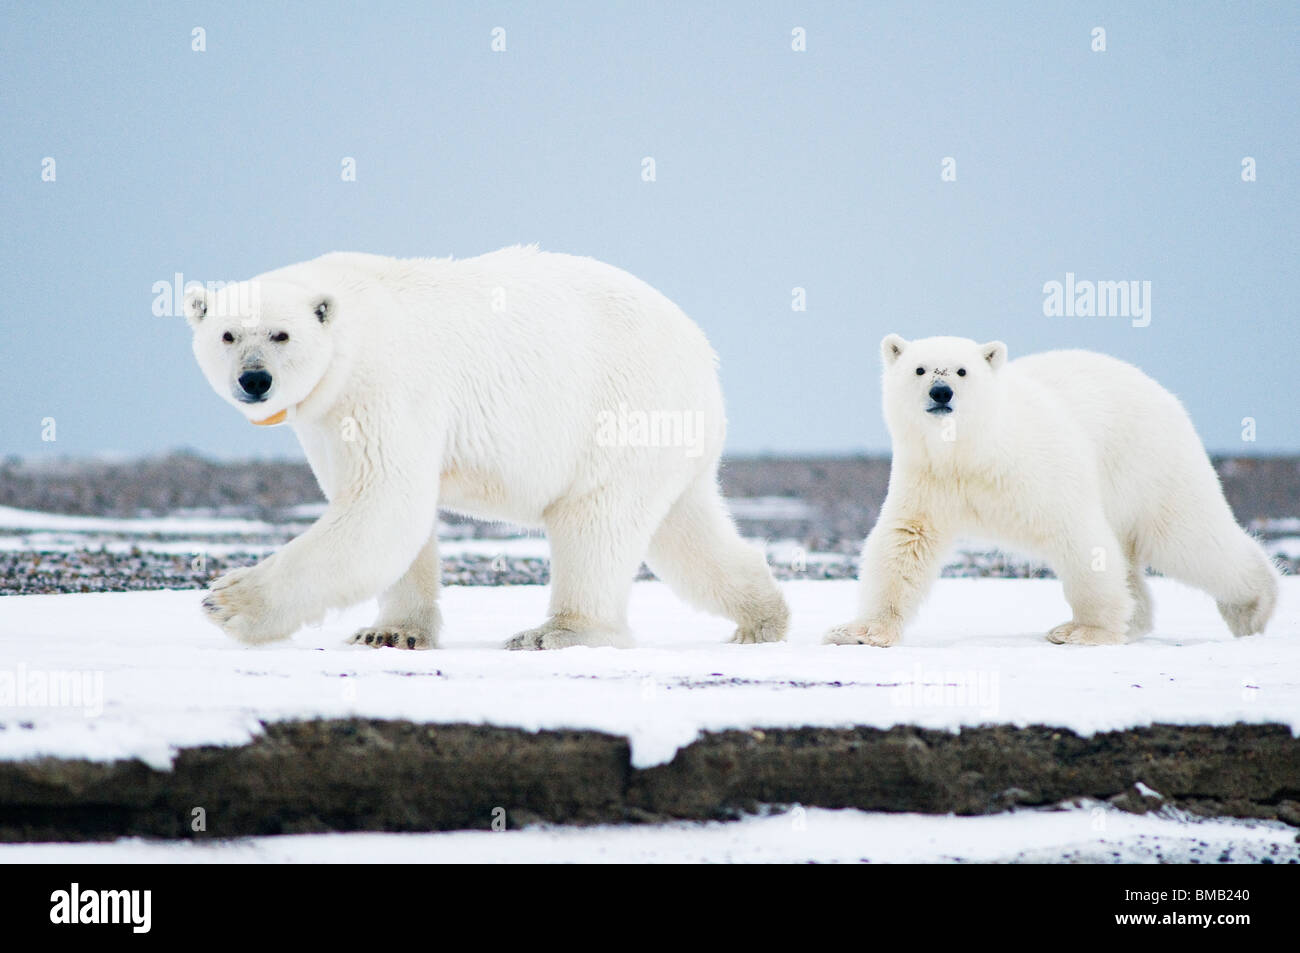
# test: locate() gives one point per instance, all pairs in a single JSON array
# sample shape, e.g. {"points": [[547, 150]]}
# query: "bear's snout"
{"points": [[254, 384], [941, 394]]}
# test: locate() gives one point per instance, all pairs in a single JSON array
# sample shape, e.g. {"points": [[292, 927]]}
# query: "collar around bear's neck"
{"points": [[277, 418], [289, 413]]}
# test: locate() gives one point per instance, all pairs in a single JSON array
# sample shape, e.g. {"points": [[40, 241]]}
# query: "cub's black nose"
{"points": [[939, 393], [255, 383]]}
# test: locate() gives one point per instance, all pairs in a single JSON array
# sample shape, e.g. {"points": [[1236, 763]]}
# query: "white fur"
{"points": [[483, 386], [1074, 456]]}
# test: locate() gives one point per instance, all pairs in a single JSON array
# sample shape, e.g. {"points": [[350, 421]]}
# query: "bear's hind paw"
{"points": [[864, 633], [557, 637], [1072, 633], [769, 630]]}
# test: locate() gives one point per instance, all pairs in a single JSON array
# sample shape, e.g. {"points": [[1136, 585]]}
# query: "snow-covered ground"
{"points": [[1085, 834], [141, 674], [144, 673]]}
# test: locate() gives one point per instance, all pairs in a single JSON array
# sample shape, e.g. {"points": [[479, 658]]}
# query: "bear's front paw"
{"points": [[1072, 633], [878, 633], [395, 637], [238, 602]]}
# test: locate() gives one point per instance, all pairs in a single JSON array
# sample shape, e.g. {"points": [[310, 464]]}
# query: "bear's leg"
{"points": [[900, 560], [365, 541], [1097, 579], [408, 610], [597, 543], [699, 554]]}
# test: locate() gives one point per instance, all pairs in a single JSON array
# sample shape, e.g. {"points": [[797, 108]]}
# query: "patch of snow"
{"points": [[1090, 833], [16, 519], [975, 655]]}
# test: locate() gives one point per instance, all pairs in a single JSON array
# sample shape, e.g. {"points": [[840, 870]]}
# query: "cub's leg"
{"points": [[1097, 577], [698, 553], [408, 610], [900, 560], [1143, 620], [1219, 557]]}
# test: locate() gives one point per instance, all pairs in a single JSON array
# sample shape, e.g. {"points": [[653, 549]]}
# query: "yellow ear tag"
{"points": [[272, 420]]}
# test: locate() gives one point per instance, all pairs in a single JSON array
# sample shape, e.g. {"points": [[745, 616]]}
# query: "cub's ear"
{"points": [[196, 306], [891, 348], [323, 308], [995, 352]]}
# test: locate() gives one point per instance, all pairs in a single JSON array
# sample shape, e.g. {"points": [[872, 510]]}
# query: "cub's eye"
{"points": [[228, 338], [920, 371], [961, 372], [280, 337]]}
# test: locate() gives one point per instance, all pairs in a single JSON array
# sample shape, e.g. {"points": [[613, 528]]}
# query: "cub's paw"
{"points": [[395, 637], [1072, 633], [878, 633], [552, 636], [1247, 618], [240, 604]]}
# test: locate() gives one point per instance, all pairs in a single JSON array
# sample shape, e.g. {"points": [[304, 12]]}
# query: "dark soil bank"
{"points": [[361, 775]]}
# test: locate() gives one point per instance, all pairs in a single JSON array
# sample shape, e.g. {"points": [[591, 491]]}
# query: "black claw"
{"points": [[410, 641], [390, 640], [370, 637]]}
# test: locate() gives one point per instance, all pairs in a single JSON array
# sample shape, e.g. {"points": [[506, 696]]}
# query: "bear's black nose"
{"points": [[255, 383], [941, 393]]}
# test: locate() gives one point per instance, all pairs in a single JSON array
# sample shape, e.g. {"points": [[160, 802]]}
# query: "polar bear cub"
{"points": [[542, 389], [1074, 456]]}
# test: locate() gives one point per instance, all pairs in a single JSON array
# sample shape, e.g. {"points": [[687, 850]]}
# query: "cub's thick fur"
{"points": [[1074, 456]]}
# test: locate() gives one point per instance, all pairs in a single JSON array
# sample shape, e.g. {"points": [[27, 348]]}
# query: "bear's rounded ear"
{"points": [[196, 305], [323, 308], [891, 348], [995, 352]]}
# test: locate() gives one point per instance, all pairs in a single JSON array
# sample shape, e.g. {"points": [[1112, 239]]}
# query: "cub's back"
{"points": [[1146, 445]]}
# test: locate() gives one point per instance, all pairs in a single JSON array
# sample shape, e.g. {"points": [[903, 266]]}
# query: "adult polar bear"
{"points": [[1075, 456], [487, 386]]}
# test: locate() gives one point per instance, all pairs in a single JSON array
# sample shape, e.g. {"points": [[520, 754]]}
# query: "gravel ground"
{"points": [[820, 505], [99, 570]]}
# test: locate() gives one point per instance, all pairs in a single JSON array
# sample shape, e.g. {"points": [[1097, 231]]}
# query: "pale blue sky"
{"points": [[775, 169]]}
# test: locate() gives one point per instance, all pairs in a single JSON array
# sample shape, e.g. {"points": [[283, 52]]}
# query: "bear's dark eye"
{"points": [[228, 338], [920, 371], [961, 372], [281, 337]]}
